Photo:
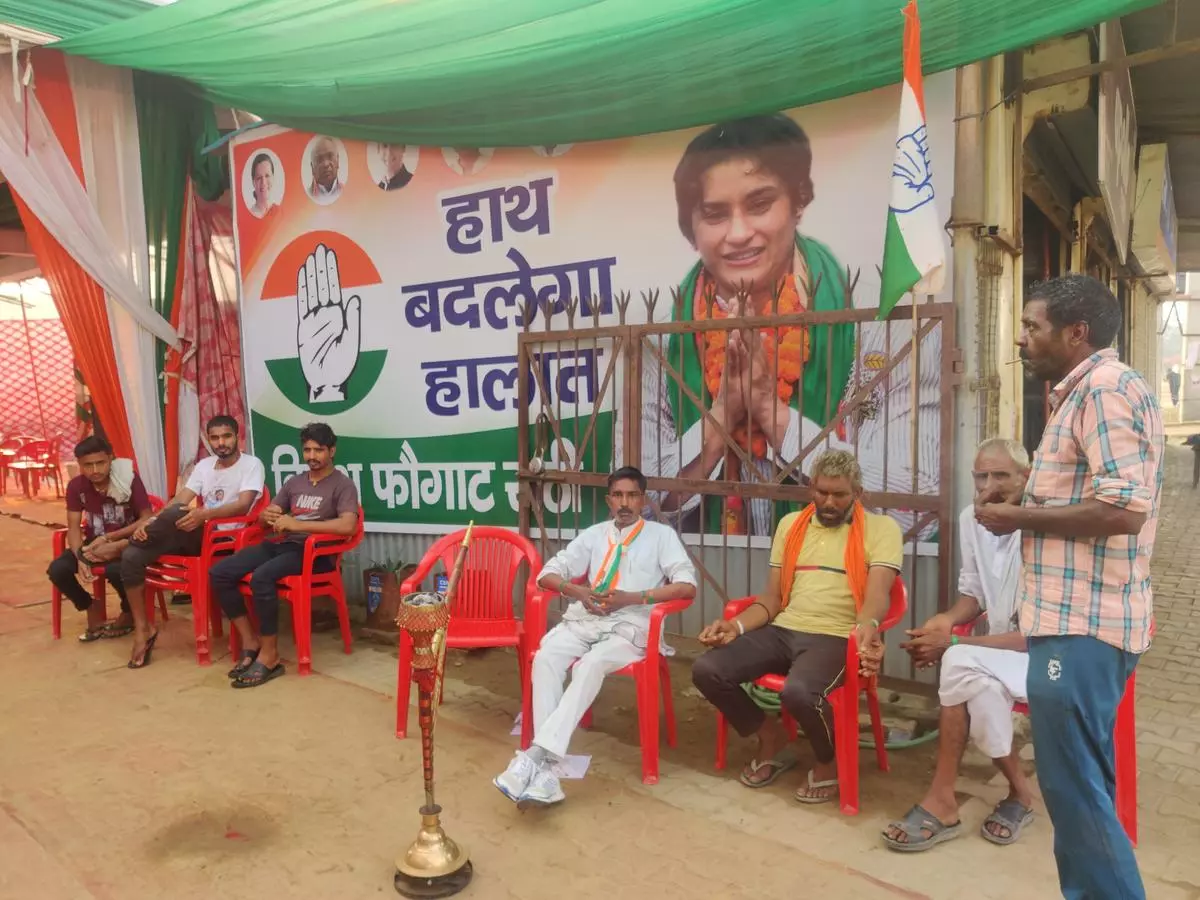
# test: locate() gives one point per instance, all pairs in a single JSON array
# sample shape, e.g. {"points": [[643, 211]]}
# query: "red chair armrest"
{"points": [[657, 613], [210, 527], [852, 681], [58, 541], [326, 545], [735, 607], [537, 607], [967, 628]]}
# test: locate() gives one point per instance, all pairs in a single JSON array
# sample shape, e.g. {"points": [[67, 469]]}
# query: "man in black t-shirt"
{"points": [[321, 501], [106, 502]]}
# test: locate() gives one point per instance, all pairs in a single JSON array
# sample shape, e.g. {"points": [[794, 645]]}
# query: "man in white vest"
{"points": [[982, 676]]}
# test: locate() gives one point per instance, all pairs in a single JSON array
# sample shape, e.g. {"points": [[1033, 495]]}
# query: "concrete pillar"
{"points": [[966, 219]]}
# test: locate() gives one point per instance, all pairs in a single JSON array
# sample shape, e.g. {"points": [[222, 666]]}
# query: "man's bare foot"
{"points": [[944, 809], [821, 784], [772, 739]]}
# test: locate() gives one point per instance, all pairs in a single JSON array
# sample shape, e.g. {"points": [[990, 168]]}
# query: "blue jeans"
{"points": [[1075, 685]]}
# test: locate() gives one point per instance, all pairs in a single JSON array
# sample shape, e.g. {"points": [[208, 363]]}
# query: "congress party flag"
{"points": [[913, 250]]}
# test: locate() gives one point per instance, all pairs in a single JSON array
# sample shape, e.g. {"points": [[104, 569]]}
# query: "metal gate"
{"points": [[660, 395]]}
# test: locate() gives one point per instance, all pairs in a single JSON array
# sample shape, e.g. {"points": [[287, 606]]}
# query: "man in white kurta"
{"points": [[629, 565], [982, 676]]}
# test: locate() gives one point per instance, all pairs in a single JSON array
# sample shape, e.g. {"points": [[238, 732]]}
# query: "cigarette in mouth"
{"points": [[1013, 362]]}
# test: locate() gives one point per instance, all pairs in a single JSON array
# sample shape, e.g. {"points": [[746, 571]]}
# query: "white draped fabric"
{"points": [[111, 155], [104, 232], [45, 180]]}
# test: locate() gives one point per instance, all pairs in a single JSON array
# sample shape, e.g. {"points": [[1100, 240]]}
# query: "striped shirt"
{"points": [[1103, 441]]}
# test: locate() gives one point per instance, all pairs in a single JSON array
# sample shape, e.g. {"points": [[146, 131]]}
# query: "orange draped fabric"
{"points": [[80, 301], [855, 558]]}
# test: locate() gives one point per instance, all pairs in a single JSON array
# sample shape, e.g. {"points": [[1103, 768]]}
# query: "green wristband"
{"points": [[953, 640]]}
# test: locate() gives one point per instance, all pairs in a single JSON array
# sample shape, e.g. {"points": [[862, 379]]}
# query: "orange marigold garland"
{"points": [[789, 343]]}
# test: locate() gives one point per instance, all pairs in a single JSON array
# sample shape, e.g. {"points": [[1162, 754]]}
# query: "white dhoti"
{"points": [[988, 681], [600, 650]]}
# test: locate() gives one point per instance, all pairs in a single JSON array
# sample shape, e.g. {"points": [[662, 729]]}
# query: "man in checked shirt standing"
{"points": [[1088, 520]]}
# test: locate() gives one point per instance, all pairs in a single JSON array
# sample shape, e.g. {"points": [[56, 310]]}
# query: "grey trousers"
{"points": [[813, 663]]}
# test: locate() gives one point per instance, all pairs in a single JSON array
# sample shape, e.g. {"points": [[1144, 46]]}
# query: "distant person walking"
{"points": [[1173, 380]]}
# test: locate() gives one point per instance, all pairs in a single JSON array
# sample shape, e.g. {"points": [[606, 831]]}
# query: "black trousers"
{"points": [[268, 561], [813, 663], [62, 576], [162, 539]]}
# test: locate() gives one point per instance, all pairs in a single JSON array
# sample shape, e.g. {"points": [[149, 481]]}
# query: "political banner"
{"points": [[383, 287]]}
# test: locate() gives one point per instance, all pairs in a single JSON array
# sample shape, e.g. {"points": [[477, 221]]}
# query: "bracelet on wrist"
{"points": [[954, 640], [741, 628]]}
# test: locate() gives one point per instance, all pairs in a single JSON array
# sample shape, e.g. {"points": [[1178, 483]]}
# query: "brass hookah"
{"points": [[433, 865]]}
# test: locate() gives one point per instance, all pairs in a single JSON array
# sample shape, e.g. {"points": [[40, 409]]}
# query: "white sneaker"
{"points": [[543, 790], [513, 780]]}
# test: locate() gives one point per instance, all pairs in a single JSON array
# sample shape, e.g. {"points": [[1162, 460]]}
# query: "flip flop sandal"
{"points": [[915, 823], [113, 630], [92, 634], [244, 662], [777, 766], [802, 797], [1010, 814], [256, 675], [145, 654]]}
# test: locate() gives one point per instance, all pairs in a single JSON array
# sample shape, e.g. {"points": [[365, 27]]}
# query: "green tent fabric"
{"points": [[66, 18], [173, 126], [488, 73]]}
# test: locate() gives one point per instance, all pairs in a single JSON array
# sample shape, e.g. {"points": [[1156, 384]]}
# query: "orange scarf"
{"points": [[789, 344], [855, 560]]}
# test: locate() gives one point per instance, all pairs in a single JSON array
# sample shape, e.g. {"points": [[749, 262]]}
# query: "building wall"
{"points": [[1143, 335]]}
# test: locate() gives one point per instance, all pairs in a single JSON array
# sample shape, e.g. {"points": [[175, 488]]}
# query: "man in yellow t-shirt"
{"points": [[805, 636]]}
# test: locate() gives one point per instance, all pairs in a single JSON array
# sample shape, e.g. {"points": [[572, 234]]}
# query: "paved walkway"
{"points": [[125, 785]]}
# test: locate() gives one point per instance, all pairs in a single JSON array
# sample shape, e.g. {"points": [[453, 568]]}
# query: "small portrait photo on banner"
{"points": [[467, 160], [325, 166], [262, 183], [392, 166]]}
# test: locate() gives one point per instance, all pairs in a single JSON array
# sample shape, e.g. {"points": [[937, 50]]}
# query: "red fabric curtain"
{"points": [[206, 316], [80, 301]]}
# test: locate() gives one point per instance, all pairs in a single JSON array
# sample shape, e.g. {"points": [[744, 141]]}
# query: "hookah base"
{"points": [[438, 886]]}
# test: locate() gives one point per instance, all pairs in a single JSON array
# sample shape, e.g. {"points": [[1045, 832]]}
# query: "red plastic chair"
{"points": [[843, 700], [189, 574], [299, 591], [59, 544], [1124, 743], [482, 615], [650, 675], [8, 452], [34, 461]]}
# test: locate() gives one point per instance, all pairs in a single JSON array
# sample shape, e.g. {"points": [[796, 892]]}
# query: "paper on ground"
{"points": [[572, 767]]}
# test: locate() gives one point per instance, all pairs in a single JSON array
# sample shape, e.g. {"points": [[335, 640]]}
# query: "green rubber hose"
{"points": [[768, 701]]}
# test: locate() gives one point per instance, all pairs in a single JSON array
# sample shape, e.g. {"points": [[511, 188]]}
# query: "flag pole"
{"points": [[914, 378]]}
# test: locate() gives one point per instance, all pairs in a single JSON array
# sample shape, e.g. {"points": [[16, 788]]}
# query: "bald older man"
{"points": [[325, 159], [981, 676]]}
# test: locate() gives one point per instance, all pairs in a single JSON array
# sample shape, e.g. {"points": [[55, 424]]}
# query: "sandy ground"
{"points": [[164, 783]]}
